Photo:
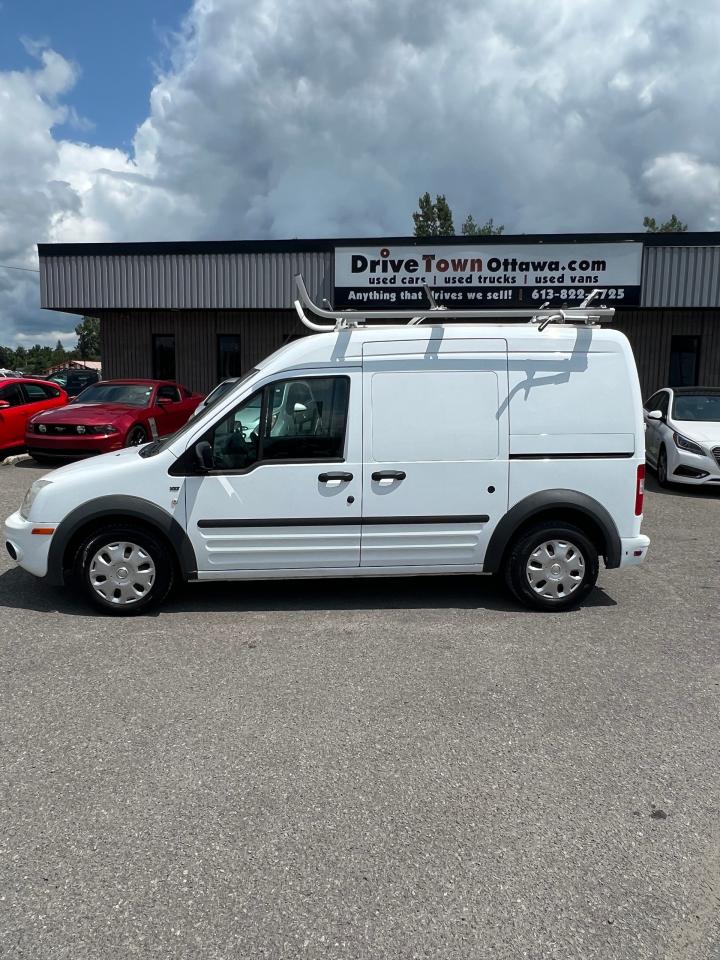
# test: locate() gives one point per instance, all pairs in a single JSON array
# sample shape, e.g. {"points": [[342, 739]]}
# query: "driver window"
{"points": [[287, 420]]}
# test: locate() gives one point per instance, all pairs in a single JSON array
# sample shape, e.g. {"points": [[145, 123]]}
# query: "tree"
{"points": [[433, 219], [20, 358], [673, 225], [472, 229], [59, 354], [88, 334]]}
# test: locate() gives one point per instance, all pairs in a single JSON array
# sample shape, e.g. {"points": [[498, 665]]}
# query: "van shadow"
{"points": [[21, 591]]}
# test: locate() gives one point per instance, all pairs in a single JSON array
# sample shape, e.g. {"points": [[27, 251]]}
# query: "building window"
{"points": [[164, 356], [229, 360], [684, 361]]}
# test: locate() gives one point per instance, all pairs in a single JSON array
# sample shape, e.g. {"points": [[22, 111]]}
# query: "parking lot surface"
{"points": [[391, 769]]}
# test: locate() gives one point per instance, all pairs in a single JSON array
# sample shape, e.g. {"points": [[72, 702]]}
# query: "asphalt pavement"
{"points": [[392, 769]]}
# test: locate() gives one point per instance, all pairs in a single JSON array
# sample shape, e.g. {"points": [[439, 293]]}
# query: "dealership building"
{"points": [[200, 312]]}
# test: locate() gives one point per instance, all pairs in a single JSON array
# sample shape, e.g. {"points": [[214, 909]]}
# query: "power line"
{"points": [[9, 266]]}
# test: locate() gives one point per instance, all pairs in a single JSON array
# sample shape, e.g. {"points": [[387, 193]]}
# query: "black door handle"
{"points": [[389, 475], [326, 477]]}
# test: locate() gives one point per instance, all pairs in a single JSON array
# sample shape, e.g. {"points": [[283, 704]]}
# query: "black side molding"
{"points": [[553, 501], [570, 456], [118, 508], [335, 521]]}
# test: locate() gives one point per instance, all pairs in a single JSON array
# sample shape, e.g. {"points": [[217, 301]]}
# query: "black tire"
{"points": [[520, 556], [661, 469], [137, 435], [111, 537]]}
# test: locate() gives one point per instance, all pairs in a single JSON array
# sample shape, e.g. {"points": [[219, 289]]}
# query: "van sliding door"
{"points": [[435, 452]]}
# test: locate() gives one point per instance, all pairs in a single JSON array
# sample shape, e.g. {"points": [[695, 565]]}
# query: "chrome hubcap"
{"points": [[555, 569], [122, 573]]}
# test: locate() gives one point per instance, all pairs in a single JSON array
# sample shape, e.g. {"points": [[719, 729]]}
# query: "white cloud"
{"points": [[315, 117]]}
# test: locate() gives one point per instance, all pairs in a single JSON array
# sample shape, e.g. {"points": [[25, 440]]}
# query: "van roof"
{"points": [[347, 345]]}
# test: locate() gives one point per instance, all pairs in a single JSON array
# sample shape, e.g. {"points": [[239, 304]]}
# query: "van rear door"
{"points": [[435, 450]]}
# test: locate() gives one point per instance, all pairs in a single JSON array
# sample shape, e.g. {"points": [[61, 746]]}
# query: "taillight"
{"points": [[640, 490]]}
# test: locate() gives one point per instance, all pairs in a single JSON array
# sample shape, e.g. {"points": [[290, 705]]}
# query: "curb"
{"points": [[18, 458]]}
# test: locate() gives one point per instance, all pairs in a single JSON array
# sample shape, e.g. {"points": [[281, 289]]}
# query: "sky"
{"points": [[230, 119]]}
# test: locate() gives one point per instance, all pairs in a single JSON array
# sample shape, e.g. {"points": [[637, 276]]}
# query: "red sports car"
{"points": [[109, 415], [21, 399]]}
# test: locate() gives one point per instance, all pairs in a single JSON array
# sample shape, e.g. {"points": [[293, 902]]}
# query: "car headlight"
{"points": [[689, 446], [103, 428], [30, 497]]}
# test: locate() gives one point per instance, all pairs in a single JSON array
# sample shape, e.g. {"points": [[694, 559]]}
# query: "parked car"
{"points": [[74, 380], [395, 451], [682, 435], [108, 416], [20, 400]]}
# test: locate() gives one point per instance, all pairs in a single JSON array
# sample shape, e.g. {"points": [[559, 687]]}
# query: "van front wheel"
{"points": [[124, 570], [553, 566]]}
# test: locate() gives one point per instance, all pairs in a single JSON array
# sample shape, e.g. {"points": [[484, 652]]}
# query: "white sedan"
{"points": [[682, 435]]}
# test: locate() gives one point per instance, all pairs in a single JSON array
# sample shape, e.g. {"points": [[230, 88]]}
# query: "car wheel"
{"points": [[124, 570], [553, 566], [662, 468], [136, 437]]}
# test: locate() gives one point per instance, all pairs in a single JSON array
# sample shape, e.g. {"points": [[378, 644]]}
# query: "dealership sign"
{"points": [[487, 275]]}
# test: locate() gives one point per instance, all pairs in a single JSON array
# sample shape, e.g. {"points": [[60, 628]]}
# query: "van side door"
{"points": [[435, 451], [283, 488]]}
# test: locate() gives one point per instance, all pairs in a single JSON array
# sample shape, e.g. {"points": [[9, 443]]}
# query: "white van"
{"points": [[394, 450]]}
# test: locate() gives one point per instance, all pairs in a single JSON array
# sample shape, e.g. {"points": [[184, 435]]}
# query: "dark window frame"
{"points": [[222, 374], [156, 337], [677, 353], [185, 465]]}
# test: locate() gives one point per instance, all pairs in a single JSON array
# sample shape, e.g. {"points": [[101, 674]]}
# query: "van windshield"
{"points": [[151, 449]]}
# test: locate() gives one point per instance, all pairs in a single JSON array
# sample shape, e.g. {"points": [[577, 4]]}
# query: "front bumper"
{"points": [[29, 550], [73, 446], [633, 550], [692, 468]]}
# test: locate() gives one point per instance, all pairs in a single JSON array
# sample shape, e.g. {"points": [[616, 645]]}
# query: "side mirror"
{"points": [[656, 415], [204, 455], [4, 404]]}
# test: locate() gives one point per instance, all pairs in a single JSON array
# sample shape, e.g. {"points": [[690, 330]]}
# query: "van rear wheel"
{"points": [[124, 570], [552, 566]]}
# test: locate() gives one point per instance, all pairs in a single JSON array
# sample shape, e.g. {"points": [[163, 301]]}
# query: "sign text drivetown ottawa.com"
{"points": [[492, 276]]}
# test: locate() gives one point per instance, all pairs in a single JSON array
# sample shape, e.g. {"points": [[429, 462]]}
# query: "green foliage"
{"points": [[38, 359], [488, 229], [436, 220], [88, 334], [673, 225], [433, 219]]}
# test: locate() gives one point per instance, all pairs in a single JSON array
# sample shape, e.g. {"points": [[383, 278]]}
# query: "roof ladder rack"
{"points": [[351, 319]]}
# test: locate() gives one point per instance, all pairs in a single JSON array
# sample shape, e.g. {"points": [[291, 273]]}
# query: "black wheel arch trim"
{"points": [[539, 503], [118, 508]]}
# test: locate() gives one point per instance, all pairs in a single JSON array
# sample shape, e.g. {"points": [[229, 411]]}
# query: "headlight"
{"points": [[689, 446], [104, 428], [30, 497]]}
